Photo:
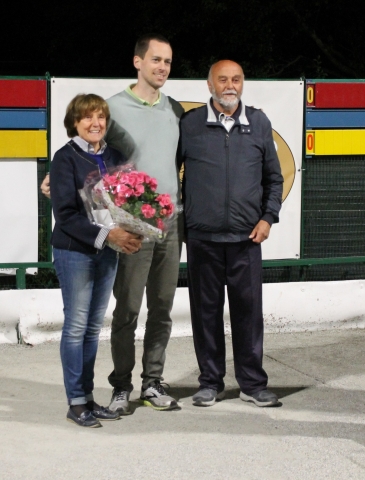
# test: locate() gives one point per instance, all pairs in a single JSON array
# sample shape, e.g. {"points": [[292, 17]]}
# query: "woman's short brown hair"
{"points": [[79, 107]]}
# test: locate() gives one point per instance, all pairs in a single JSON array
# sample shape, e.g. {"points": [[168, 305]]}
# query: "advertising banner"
{"points": [[281, 101]]}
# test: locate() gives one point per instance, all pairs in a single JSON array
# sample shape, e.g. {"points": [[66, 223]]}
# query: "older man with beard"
{"points": [[232, 195]]}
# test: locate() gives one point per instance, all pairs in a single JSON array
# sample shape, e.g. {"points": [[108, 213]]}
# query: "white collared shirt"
{"points": [[226, 121], [87, 147]]}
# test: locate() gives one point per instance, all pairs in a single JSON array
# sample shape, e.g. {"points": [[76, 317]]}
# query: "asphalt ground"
{"points": [[317, 433]]}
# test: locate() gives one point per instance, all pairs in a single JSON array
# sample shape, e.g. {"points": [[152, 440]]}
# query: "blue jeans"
{"points": [[86, 282]]}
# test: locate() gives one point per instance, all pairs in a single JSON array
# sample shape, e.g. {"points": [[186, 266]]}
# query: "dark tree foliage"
{"points": [[271, 39]]}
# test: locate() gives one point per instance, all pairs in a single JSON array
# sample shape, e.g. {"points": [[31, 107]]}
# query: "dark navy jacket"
{"points": [[231, 179], [69, 169]]}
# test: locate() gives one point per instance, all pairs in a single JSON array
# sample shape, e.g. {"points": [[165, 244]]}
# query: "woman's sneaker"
{"points": [[120, 402], [154, 396]]}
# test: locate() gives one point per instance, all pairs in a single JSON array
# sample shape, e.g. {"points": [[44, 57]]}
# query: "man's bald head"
{"points": [[223, 64], [225, 83]]}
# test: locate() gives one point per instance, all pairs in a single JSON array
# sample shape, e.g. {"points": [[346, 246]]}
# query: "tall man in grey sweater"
{"points": [[145, 126]]}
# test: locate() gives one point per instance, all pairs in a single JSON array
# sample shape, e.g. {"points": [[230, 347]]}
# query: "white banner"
{"points": [[282, 102], [19, 212]]}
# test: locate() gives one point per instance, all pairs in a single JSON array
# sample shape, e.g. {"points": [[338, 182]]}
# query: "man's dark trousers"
{"points": [[211, 265]]}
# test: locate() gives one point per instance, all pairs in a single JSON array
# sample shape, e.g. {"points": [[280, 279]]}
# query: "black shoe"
{"points": [[103, 413], [263, 398], [86, 419]]}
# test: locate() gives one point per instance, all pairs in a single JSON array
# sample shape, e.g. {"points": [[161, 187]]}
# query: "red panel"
{"points": [[340, 95], [23, 93]]}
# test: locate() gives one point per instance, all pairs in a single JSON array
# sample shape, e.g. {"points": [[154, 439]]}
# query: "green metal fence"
{"points": [[333, 233]]}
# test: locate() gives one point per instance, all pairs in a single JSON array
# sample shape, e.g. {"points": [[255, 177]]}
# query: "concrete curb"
{"points": [[36, 316]]}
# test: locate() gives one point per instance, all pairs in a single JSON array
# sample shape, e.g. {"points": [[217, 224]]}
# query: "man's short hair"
{"points": [[144, 42], [79, 107]]}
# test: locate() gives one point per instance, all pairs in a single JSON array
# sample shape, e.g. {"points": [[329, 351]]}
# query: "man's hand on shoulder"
{"points": [[45, 187], [261, 232]]}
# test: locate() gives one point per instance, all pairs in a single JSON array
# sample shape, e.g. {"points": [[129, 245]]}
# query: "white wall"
{"points": [[288, 307]]}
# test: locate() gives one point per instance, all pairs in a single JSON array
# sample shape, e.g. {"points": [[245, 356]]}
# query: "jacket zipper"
{"points": [[227, 182]]}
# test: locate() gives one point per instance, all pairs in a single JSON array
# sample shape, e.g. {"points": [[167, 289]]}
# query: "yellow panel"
{"points": [[23, 143], [358, 142], [339, 142]]}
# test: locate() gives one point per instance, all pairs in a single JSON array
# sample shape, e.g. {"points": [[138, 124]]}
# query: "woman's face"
{"points": [[92, 128]]}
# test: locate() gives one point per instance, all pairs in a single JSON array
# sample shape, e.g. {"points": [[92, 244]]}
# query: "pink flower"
{"points": [[120, 200], [129, 179], [124, 190], [110, 180], [140, 177], [164, 199], [121, 194], [138, 190], [167, 210], [148, 211], [160, 224], [135, 178], [152, 182]]}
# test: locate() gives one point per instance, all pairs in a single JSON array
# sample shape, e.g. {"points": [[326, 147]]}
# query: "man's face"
{"points": [[226, 83], [155, 67]]}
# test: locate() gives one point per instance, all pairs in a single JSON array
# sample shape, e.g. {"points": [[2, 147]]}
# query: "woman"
{"points": [[85, 267]]}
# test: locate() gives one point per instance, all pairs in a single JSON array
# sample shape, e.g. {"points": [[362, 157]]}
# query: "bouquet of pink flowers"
{"points": [[132, 202]]}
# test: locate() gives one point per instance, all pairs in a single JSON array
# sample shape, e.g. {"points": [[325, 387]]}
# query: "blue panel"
{"points": [[23, 118], [335, 119]]}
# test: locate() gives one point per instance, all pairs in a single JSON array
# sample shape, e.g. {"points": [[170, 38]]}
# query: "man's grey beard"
{"points": [[226, 103]]}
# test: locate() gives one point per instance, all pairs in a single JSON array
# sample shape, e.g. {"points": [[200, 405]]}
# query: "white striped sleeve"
{"points": [[100, 239]]}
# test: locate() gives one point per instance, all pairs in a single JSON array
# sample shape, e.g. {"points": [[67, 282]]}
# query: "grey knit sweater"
{"points": [[148, 136]]}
